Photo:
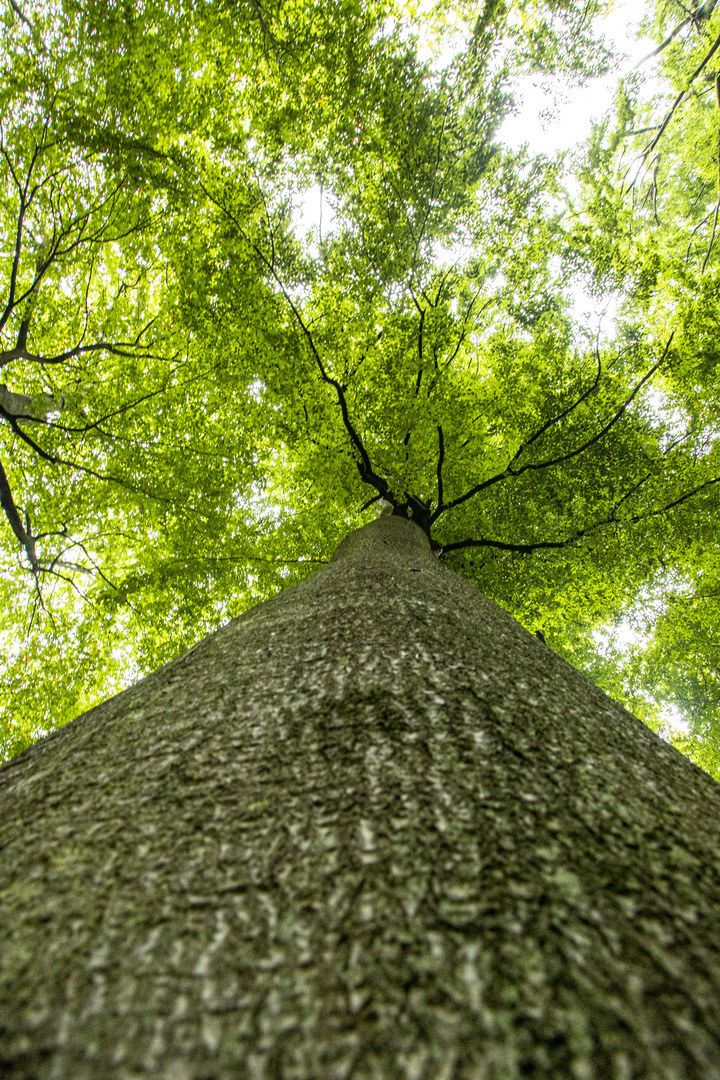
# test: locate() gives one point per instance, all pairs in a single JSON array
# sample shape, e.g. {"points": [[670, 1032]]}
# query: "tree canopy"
{"points": [[203, 394]]}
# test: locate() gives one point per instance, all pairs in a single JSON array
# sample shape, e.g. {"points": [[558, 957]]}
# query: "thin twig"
{"points": [[663, 45], [717, 204], [367, 473], [716, 45], [271, 39]]}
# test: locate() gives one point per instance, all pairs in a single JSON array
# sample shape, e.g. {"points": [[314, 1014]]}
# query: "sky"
{"points": [[577, 107]]}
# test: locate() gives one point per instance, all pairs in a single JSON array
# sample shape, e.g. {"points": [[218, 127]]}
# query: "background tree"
{"points": [[647, 225]]}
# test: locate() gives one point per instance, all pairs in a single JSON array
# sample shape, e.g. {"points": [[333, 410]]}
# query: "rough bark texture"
{"points": [[371, 829]]}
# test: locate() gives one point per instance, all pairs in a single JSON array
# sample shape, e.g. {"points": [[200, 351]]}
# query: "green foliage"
{"points": [[646, 226], [219, 394]]}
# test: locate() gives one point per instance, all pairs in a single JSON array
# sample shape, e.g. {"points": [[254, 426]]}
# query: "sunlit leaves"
{"points": [[235, 393]]}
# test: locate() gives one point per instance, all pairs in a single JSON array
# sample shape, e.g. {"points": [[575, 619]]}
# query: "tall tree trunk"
{"points": [[371, 829]]}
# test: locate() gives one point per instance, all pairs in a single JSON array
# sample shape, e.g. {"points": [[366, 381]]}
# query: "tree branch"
{"points": [[431, 196], [23, 535], [84, 469], [663, 45], [258, 11], [441, 458], [117, 348], [464, 324], [550, 462], [676, 502], [523, 549], [717, 204], [649, 149], [611, 519], [367, 473], [20, 14], [18, 234]]}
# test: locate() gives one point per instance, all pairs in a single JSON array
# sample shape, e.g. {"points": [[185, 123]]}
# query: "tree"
{"points": [[374, 828], [211, 432]]}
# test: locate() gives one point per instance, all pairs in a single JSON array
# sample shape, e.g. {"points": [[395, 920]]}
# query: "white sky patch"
{"points": [[675, 720], [597, 316], [624, 637], [662, 411], [438, 49], [554, 116], [634, 633], [314, 215]]}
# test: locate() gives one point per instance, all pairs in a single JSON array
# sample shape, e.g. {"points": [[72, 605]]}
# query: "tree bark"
{"points": [[372, 829]]}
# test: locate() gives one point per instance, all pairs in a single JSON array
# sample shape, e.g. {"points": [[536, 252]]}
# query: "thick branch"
{"points": [[117, 348], [18, 237], [441, 458], [13, 516], [84, 469], [523, 549]]}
